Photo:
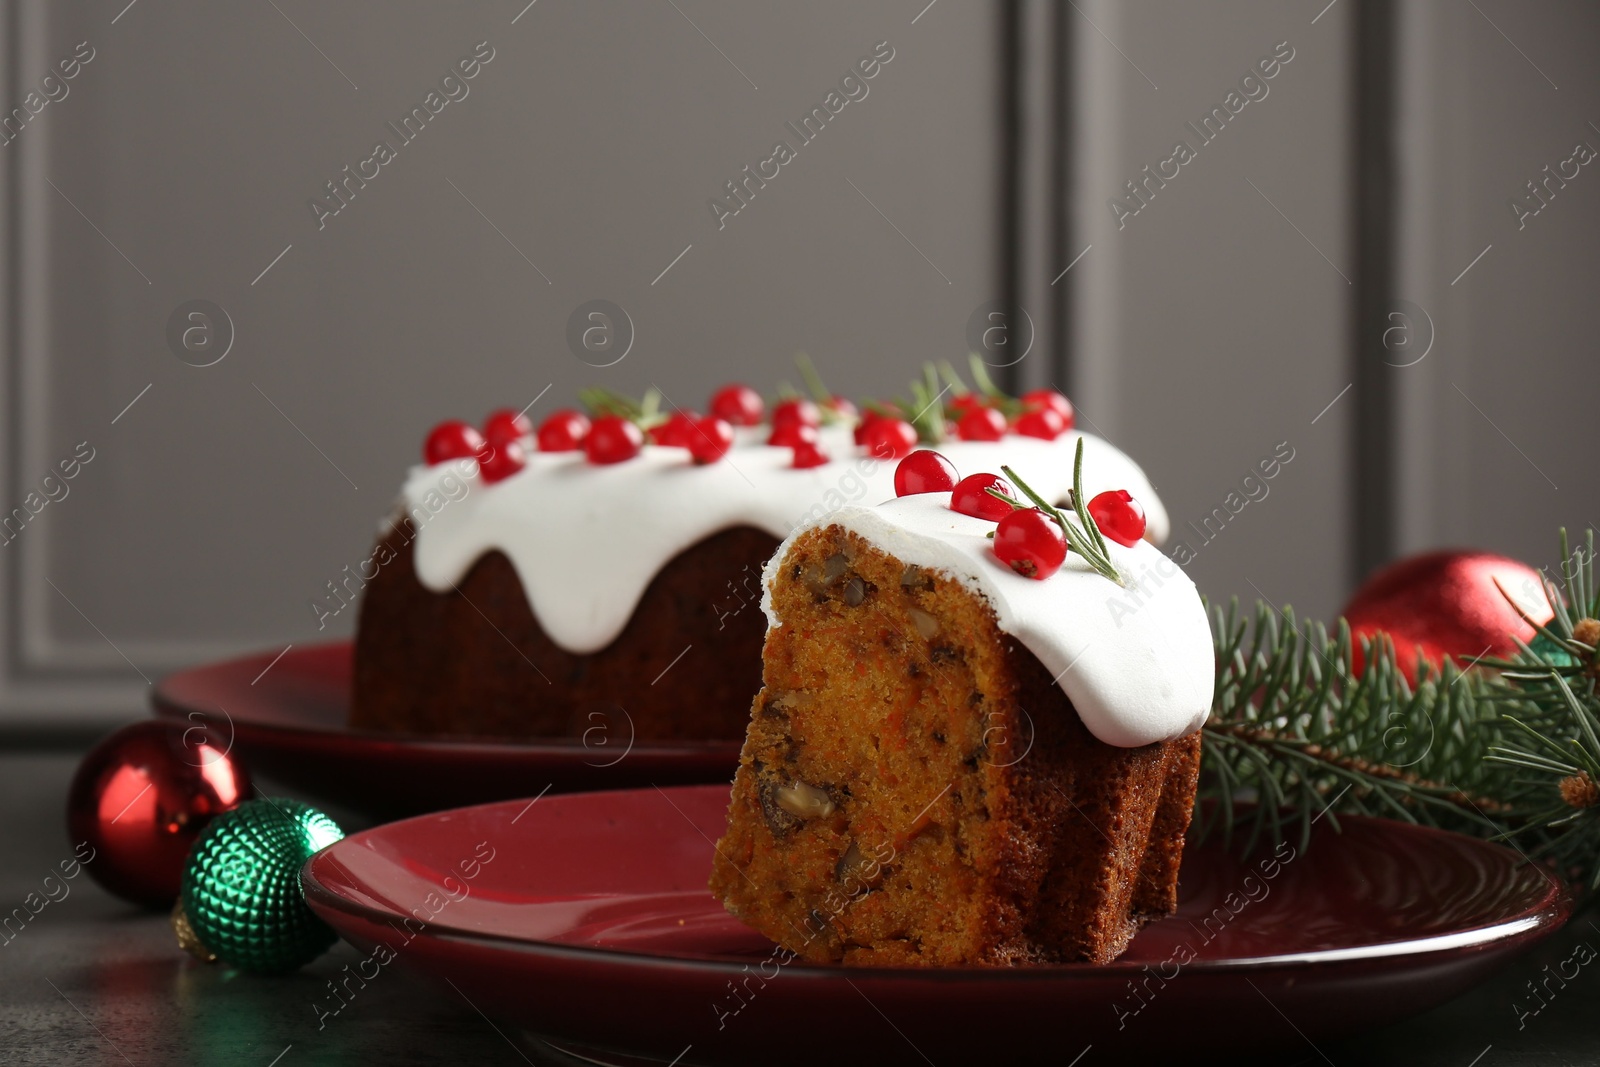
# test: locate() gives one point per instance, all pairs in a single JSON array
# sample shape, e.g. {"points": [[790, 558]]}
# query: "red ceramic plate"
{"points": [[286, 719], [585, 919]]}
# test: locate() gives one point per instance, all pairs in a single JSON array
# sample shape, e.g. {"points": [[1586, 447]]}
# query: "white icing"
{"points": [[1136, 662], [586, 540]]}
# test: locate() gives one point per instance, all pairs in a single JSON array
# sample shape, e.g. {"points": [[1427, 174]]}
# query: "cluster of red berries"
{"points": [[1045, 414], [1026, 539], [500, 449], [507, 436]]}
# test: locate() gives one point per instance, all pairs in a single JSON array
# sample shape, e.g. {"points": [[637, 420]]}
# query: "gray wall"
{"points": [[1205, 331]]}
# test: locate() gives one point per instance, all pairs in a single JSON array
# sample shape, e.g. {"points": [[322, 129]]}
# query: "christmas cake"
{"points": [[603, 572], [969, 749]]}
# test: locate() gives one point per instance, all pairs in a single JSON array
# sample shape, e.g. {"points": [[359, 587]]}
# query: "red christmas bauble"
{"points": [[140, 798], [1446, 604]]}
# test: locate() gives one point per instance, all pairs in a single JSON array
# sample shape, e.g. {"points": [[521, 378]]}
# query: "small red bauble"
{"points": [[796, 411], [563, 431], [141, 797], [612, 439], [506, 425], [924, 471], [1030, 543], [449, 440], [792, 433], [981, 424], [809, 454], [501, 461], [710, 439], [1043, 423], [676, 431], [970, 497], [1049, 399], [1446, 605], [1119, 516], [891, 438], [737, 405]]}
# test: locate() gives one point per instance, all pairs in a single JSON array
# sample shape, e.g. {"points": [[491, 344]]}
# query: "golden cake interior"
{"points": [[914, 789]]}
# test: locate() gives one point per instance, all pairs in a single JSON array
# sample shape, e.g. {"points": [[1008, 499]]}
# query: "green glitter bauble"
{"points": [[241, 885], [1550, 651]]}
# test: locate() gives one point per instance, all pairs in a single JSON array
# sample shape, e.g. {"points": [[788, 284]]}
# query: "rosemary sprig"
{"points": [[923, 410], [646, 411], [1083, 536]]}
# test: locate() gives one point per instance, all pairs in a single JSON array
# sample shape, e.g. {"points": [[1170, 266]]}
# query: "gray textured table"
{"points": [[91, 980]]}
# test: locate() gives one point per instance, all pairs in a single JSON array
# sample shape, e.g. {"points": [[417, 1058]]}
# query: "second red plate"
{"points": [[286, 715]]}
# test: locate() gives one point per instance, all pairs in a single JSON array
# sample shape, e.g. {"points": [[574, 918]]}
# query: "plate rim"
{"points": [[167, 707], [1549, 914]]}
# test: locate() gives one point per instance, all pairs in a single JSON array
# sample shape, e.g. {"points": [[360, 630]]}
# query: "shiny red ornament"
{"points": [[1445, 604], [924, 471], [1119, 516], [141, 797]]}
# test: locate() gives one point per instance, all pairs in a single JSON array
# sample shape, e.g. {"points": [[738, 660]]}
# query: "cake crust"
{"points": [[915, 789], [475, 661]]}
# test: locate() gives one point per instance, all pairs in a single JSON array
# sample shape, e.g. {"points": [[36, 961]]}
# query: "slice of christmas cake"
{"points": [[978, 738]]}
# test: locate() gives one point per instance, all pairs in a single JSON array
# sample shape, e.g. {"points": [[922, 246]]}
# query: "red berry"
{"points": [[872, 415], [710, 439], [969, 497], [962, 403], [1044, 423], [792, 433], [809, 454], [612, 439], [676, 431], [1054, 401], [890, 438], [500, 460], [507, 425], [563, 431], [738, 405], [924, 471], [1030, 543], [1118, 515], [981, 424], [796, 411], [451, 440]]}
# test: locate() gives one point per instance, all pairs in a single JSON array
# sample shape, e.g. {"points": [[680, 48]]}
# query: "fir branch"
{"points": [[1508, 749], [998, 399]]}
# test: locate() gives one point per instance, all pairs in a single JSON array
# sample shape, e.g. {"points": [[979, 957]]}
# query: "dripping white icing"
{"points": [[586, 540], [1137, 662]]}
